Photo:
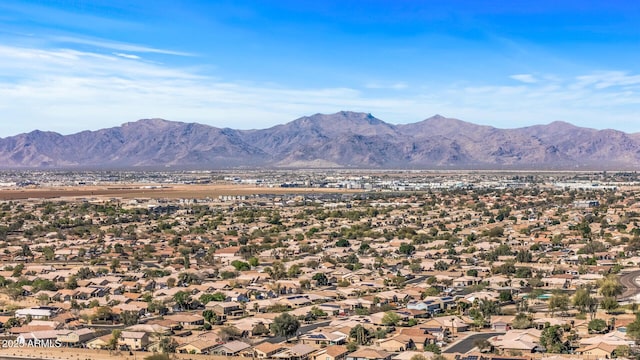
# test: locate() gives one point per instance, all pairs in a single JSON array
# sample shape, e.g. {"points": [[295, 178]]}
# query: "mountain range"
{"points": [[341, 140]]}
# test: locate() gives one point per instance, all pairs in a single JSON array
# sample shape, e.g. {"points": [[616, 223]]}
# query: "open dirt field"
{"points": [[146, 191]]}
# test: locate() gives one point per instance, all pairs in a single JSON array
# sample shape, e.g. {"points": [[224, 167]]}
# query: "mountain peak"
{"points": [[340, 120], [152, 122], [561, 124], [343, 139]]}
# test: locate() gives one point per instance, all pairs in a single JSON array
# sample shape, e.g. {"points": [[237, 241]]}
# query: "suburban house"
{"points": [[266, 350], [296, 352], [323, 338], [76, 338], [187, 321], [225, 309], [369, 354], [38, 313], [233, 348], [134, 340], [200, 346], [332, 352]]}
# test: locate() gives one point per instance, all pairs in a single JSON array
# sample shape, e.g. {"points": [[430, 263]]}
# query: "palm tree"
{"points": [[360, 334], [113, 342]]}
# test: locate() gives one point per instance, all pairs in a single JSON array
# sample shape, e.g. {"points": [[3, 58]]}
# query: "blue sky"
{"points": [[71, 65]]}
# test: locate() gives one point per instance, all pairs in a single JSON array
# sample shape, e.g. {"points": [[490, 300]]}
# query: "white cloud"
{"points": [[75, 90], [603, 80], [128, 56], [401, 85], [106, 44], [525, 78], [68, 90]]}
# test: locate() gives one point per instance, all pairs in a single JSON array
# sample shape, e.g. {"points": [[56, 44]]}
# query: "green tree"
{"points": [[522, 321], [210, 316], [240, 265], [559, 302], [317, 312], [26, 251], [390, 318], [129, 317], [441, 265], [582, 299], [48, 253], [622, 351], [43, 284], [72, 282], [360, 334], [524, 256], [115, 264], [342, 243], [321, 279], [609, 304], [352, 346], [406, 249], [216, 296], [597, 326], [434, 348], [260, 329], [276, 271], [294, 271], [85, 273], [551, 339], [482, 344], [182, 299], [188, 278], [227, 333], [17, 271], [633, 329], [114, 339], [505, 296], [167, 345], [610, 286], [12, 322], [285, 325]]}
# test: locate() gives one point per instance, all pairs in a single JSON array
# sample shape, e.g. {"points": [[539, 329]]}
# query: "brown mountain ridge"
{"points": [[341, 140]]}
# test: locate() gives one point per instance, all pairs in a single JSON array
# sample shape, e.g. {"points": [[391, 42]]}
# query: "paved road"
{"points": [[302, 330], [465, 345], [629, 282], [416, 280]]}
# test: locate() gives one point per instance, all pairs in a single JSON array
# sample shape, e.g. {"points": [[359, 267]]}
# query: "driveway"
{"points": [[465, 345]]}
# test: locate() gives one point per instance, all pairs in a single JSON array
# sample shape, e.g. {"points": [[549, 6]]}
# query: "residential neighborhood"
{"points": [[496, 271]]}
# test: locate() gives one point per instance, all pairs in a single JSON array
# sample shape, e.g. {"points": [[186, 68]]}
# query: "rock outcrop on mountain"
{"points": [[341, 140]]}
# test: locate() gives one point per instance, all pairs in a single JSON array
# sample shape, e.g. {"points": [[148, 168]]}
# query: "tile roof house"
{"points": [[600, 350], [134, 340], [266, 350], [233, 348], [321, 338], [332, 352], [200, 346], [526, 340], [296, 352], [369, 354]]}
